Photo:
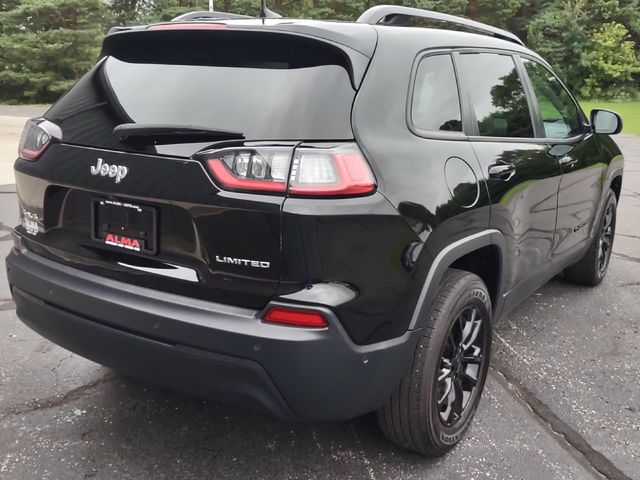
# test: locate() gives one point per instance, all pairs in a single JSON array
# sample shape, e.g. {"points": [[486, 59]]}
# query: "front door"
{"points": [[579, 157], [522, 177]]}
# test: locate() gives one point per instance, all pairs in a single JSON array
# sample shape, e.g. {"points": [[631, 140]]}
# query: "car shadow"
{"points": [[151, 429]]}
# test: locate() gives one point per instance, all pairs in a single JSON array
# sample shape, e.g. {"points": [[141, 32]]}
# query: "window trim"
{"points": [[433, 134], [469, 123]]}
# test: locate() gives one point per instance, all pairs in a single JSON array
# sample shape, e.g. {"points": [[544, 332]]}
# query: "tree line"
{"points": [[46, 45]]}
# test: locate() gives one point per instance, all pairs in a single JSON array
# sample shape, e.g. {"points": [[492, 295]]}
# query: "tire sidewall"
{"points": [[611, 200], [471, 292]]}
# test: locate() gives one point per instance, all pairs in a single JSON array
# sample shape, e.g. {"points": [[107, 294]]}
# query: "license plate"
{"points": [[125, 226]]}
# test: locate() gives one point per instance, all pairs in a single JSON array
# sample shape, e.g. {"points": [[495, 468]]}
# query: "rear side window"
{"points": [[436, 103], [268, 86], [559, 112], [497, 95]]}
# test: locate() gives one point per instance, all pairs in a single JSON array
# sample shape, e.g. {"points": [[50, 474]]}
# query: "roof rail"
{"points": [[205, 15], [391, 15]]}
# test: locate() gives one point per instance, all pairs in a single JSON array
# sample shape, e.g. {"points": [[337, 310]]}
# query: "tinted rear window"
{"points": [[269, 86], [436, 104]]}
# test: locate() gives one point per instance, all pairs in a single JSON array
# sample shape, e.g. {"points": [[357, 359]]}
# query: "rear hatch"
{"points": [[124, 189]]}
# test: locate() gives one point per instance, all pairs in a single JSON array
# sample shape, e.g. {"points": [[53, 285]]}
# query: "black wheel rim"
{"points": [[606, 238], [461, 366]]}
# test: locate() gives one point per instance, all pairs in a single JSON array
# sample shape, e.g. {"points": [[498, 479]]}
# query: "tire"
{"points": [[591, 269], [413, 418]]}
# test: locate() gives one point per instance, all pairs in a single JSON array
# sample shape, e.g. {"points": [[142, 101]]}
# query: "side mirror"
{"points": [[606, 122]]}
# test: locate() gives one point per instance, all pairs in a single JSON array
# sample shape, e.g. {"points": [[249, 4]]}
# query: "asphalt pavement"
{"points": [[562, 399]]}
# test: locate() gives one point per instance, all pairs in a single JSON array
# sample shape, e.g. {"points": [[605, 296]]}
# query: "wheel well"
{"points": [[616, 186], [486, 263]]}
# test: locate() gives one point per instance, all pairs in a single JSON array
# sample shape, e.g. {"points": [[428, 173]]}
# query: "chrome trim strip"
{"points": [[172, 271]]}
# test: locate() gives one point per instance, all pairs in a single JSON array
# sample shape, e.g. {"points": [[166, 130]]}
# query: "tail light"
{"points": [[260, 169], [304, 171], [295, 317], [330, 172], [36, 138]]}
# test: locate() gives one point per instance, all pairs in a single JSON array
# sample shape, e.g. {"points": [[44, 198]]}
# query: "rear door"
{"points": [[164, 219], [522, 177]]}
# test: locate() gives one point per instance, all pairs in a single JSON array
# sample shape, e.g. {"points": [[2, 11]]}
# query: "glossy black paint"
{"points": [[209, 349], [434, 190], [192, 211]]}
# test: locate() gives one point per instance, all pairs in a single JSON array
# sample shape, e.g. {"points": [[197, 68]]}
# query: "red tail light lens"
{"points": [[312, 172], [296, 318], [34, 141], [260, 169], [341, 171]]}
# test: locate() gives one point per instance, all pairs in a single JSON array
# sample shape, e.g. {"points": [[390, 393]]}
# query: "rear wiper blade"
{"points": [[166, 134]]}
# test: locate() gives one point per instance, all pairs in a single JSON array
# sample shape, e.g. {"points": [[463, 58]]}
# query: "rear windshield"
{"points": [[270, 87]]}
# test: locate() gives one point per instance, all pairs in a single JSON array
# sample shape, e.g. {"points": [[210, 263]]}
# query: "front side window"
{"points": [[559, 112], [436, 104], [497, 95]]}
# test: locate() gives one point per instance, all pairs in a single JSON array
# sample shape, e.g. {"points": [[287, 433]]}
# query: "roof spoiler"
{"points": [[393, 15]]}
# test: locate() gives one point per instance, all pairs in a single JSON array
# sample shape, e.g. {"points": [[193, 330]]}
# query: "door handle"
{"points": [[568, 161], [502, 171]]}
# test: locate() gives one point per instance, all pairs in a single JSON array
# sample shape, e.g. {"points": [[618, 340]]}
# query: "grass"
{"points": [[629, 111]]}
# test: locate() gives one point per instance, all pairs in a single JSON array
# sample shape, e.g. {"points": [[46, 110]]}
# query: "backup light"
{"points": [[296, 317], [262, 170]]}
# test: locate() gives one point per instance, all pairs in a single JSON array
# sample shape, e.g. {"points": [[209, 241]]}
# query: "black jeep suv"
{"points": [[316, 219]]}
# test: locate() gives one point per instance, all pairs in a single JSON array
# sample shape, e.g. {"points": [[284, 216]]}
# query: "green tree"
{"points": [[564, 32], [611, 62], [593, 44], [46, 45]]}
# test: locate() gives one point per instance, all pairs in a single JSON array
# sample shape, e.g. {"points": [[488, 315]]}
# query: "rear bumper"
{"points": [[216, 351]]}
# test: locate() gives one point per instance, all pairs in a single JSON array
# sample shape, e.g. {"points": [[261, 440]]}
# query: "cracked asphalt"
{"points": [[562, 399]]}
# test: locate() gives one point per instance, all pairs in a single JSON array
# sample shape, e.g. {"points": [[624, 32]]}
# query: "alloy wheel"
{"points": [[606, 238], [460, 366]]}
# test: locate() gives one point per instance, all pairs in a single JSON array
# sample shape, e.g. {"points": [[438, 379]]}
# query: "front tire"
{"points": [[591, 269], [436, 400]]}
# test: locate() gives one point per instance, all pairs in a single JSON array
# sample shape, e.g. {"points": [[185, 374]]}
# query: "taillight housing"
{"points": [[303, 171], [323, 172], [254, 169], [36, 138], [295, 317]]}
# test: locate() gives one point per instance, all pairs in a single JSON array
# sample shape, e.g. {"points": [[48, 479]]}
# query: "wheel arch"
{"points": [[616, 185], [483, 254]]}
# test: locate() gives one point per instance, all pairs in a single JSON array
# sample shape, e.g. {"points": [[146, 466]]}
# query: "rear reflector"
{"points": [[307, 172], [296, 318], [188, 26]]}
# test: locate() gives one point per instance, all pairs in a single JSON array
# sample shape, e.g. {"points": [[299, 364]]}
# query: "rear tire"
{"points": [[591, 269], [436, 400]]}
